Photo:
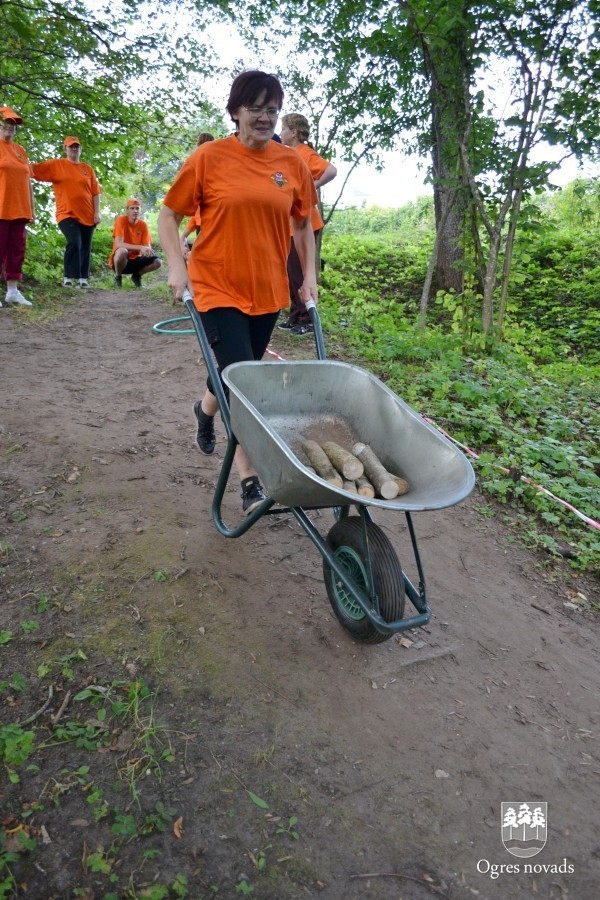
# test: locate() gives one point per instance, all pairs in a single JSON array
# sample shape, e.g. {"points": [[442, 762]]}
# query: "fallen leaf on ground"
{"points": [[178, 827], [123, 742]]}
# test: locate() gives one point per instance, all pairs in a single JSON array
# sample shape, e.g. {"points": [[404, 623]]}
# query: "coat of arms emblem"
{"points": [[524, 828]]}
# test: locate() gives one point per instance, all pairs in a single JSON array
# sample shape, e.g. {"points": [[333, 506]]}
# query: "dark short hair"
{"points": [[249, 85]]}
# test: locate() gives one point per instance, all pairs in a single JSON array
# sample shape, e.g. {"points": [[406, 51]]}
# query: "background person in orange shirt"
{"points": [[132, 246], [245, 187], [16, 205], [192, 226], [294, 133], [77, 195], [193, 223]]}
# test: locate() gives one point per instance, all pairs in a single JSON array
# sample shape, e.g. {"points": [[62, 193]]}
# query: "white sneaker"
{"points": [[67, 282], [15, 296], [83, 282]]}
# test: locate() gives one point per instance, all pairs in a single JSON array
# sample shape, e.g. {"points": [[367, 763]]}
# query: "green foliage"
{"points": [[385, 272], [15, 683], [402, 73], [16, 744], [556, 276], [88, 70], [530, 408], [412, 222]]}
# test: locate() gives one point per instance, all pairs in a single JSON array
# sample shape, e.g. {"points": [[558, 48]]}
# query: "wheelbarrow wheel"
{"points": [[346, 541]]}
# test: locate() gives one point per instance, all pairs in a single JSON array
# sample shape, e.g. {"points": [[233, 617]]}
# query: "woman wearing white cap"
{"points": [[77, 195], [16, 205]]}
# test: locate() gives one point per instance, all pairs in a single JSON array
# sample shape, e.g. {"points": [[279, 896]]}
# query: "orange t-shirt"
{"points": [[15, 173], [245, 198], [74, 185], [317, 166], [131, 234]]}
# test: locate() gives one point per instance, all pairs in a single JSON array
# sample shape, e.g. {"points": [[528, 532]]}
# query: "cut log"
{"points": [[320, 463], [342, 460], [402, 483], [365, 488], [350, 486], [385, 484]]}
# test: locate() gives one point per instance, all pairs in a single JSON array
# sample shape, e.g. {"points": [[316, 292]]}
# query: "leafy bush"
{"points": [[46, 247], [530, 409]]}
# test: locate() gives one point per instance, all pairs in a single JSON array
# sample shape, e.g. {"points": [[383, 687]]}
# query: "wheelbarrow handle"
{"points": [[316, 323], [311, 306], [209, 361]]}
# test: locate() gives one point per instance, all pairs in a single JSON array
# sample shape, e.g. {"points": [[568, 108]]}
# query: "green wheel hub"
{"points": [[353, 563]]}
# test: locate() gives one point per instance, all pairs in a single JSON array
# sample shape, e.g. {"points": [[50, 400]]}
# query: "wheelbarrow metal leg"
{"points": [[416, 597]]}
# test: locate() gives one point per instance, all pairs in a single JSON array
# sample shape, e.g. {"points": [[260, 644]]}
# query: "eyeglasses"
{"points": [[271, 111]]}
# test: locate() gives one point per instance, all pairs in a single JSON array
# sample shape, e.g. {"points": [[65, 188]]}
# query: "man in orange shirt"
{"points": [[77, 195], [132, 246]]}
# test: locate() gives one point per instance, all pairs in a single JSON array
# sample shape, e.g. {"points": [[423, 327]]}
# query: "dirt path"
{"points": [[394, 759]]}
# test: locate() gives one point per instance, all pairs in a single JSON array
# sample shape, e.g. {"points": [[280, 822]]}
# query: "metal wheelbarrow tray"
{"points": [[276, 404], [271, 408]]}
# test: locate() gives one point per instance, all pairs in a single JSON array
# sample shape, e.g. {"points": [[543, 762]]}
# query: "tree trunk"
{"points": [[449, 223], [450, 191], [425, 293], [508, 254], [491, 277]]}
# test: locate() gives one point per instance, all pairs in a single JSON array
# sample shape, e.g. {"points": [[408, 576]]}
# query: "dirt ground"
{"points": [[298, 762]]}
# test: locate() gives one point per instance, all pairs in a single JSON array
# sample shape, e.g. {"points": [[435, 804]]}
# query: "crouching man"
{"points": [[132, 246]]}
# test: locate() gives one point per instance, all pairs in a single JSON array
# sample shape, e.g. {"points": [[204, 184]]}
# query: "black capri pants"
{"points": [[236, 337]]}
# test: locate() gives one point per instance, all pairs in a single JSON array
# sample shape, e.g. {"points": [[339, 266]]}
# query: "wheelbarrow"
{"points": [[272, 405]]}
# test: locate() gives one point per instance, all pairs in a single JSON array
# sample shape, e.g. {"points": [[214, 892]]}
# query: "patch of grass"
{"points": [[115, 717]]}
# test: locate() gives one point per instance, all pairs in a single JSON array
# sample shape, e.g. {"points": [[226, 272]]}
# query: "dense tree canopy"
{"points": [[476, 85], [115, 73]]}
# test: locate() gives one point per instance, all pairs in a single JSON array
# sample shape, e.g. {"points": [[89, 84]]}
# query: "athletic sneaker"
{"points": [[118, 281], [137, 280], [67, 282], [252, 494], [285, 325], [205, 436], [83, 282], [302, 329], [14, 295]]}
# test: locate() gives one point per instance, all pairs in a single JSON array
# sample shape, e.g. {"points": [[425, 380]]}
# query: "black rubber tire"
{"points": [[345, 540]]}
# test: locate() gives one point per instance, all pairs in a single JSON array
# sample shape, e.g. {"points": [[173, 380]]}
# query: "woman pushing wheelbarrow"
{"points": [[278, 415], [246, 188]]}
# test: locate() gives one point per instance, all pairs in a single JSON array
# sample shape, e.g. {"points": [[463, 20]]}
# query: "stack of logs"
{"points": [[359, 472]]}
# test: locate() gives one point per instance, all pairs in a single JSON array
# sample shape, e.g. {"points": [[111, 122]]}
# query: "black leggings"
{"points": [[299, 315], [236, 337]]}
